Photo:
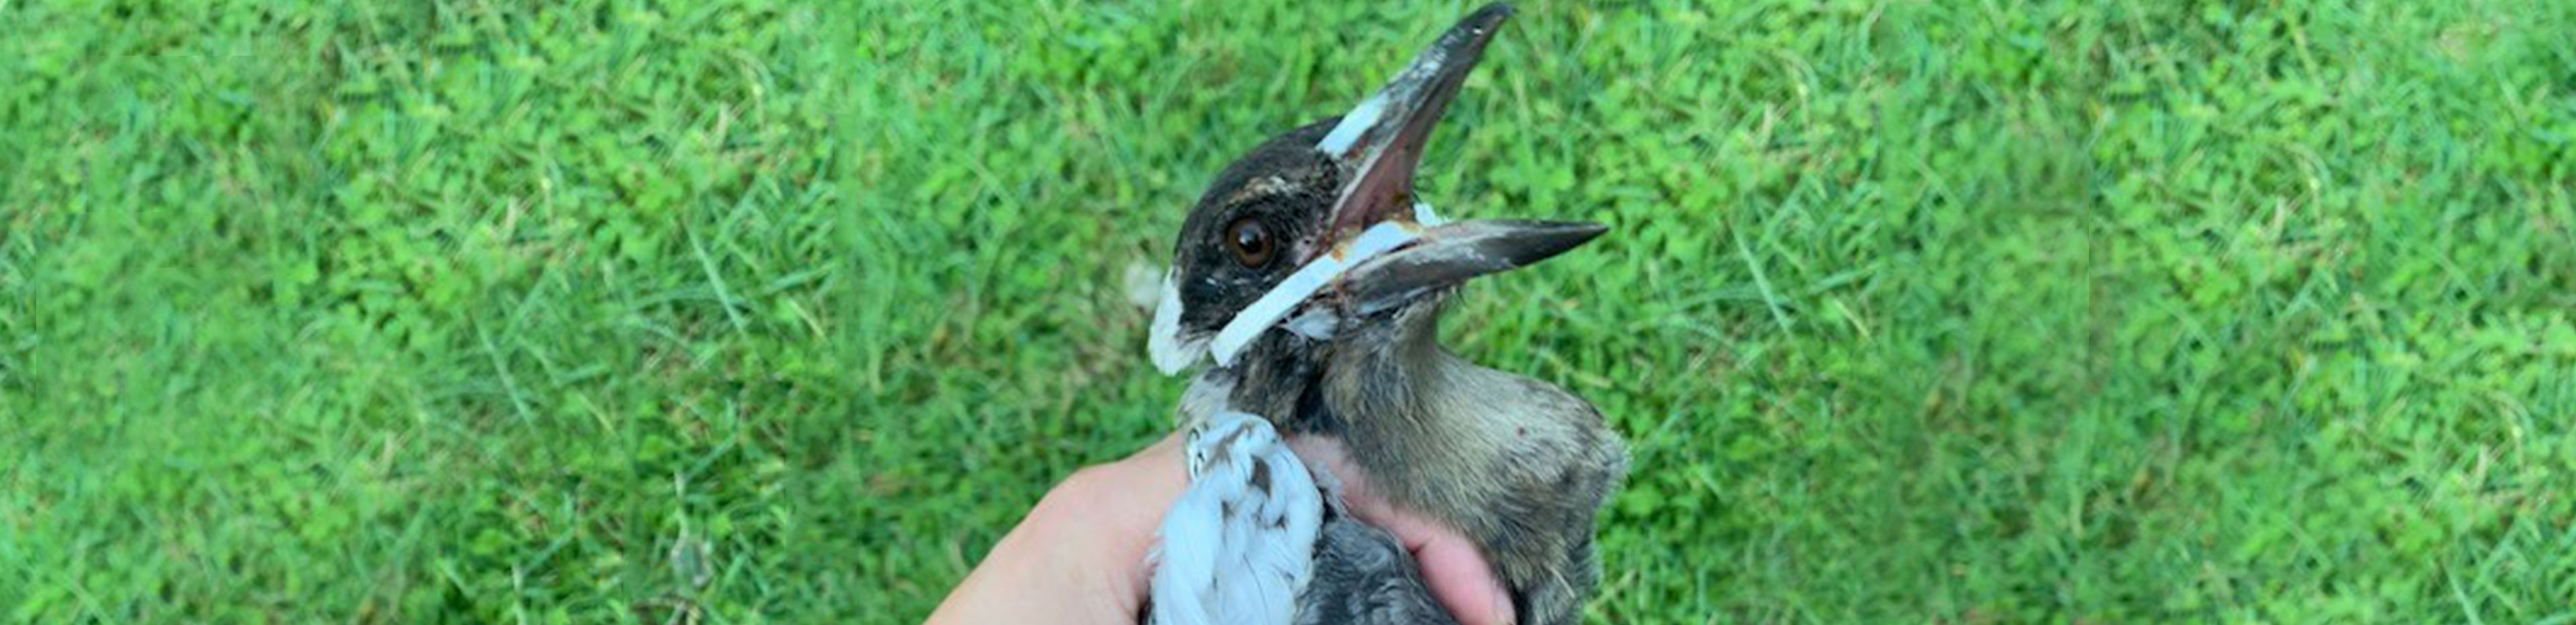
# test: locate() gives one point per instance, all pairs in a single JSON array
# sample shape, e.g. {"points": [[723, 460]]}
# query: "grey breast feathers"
{"points": [[1363, 576]]}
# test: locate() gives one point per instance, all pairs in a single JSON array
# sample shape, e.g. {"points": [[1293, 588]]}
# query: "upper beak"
{"points": [[1379, 143], [1449, 254]]}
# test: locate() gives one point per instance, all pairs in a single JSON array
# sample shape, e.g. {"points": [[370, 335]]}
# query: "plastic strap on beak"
{"points": [[1304, 284]]}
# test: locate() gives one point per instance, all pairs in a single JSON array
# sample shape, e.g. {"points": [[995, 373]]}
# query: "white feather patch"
{"points": [[1235, 549], [1283, 299], [1209, 393], [1172, 352], [1422, 214], [1315, 325]]}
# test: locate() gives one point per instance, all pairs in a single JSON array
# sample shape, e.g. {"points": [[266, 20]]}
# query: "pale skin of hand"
{"points": [[1079, 556]]}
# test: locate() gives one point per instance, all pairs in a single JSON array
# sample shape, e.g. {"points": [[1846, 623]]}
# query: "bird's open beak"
{"points": [[1379, 143]]}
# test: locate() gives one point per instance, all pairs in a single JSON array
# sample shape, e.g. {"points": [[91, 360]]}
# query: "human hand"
{"points": [[1079, 556]]}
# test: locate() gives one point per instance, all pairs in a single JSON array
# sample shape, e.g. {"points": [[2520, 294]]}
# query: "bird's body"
{"points": [[1520, 466]]}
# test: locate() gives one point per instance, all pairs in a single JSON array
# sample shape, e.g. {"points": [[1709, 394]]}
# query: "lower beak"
{"points": [[1450, 254]]}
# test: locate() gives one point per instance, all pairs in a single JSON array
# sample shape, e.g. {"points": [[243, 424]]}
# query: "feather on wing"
{"points": [[1239, 545]]}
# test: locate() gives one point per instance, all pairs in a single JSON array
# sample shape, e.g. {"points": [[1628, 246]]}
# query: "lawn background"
{"points": [[756, 311]]}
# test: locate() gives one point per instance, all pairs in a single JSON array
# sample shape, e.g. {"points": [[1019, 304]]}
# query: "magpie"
{"points": [[1307, 286]]}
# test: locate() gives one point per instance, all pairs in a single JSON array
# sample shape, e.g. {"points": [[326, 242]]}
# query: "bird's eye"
{"points": [[1251, 242]]}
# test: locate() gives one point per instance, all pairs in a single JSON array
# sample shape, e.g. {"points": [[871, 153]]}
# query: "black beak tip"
{"points": [[1479, 27], [1555, 237]]}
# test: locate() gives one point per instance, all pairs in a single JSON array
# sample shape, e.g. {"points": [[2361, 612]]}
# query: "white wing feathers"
{"points": [[1240, 544]]}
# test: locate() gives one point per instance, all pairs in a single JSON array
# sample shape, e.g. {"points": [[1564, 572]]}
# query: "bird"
{"points": [[1307, 286]]}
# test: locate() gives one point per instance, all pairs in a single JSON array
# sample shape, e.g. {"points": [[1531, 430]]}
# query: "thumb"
{"points": [[1458, 574]]}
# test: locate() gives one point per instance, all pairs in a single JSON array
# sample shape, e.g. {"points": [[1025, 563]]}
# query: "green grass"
{"points": [[751, 311]]}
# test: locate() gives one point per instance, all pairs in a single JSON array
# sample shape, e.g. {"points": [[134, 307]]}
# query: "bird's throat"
{"points": [[1404, 407]]}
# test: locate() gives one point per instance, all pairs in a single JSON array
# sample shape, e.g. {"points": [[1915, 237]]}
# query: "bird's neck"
{"points": [[1413, 415]]}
